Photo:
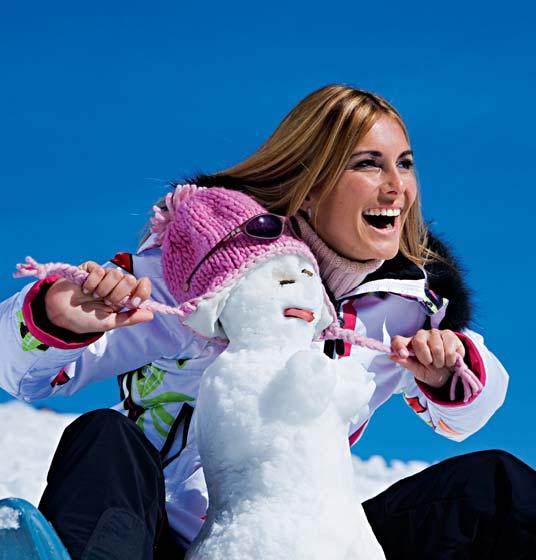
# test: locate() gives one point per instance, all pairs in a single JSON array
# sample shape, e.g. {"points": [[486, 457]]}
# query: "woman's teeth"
{"points": [[381, 218], [382, 212]]}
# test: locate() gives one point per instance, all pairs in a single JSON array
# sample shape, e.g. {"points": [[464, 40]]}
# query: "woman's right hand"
{"points": [[93, 307]]}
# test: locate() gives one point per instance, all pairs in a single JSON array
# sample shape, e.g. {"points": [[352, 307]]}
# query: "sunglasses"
{"points": [[262, 226]]}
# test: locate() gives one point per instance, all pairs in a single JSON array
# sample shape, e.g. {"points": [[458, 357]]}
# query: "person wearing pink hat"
{"points": [[339, 173]]}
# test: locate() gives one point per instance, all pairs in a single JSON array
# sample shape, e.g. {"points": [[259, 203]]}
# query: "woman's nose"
{"points": [[393, 179]]}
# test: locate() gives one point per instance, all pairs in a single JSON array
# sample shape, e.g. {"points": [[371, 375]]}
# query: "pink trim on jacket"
{"points": [[350, 319], [356, 435], [474, 361], [46, 337], [61, 378]]}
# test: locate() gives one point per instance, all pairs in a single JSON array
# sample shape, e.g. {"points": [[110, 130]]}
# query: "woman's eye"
{"points": [[366, 163], [406, 164]]}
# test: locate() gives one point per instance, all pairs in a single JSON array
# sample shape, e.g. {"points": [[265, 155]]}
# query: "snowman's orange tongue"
{"points": [[299, 314]]}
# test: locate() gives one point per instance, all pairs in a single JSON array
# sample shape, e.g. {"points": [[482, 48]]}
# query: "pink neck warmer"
{"points": [[340, 274]]}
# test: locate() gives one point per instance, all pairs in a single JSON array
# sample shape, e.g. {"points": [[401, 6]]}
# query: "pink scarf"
{"points": [[341, 275]]}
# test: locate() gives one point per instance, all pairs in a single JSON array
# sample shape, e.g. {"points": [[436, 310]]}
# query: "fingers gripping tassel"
{"points": [[472, 386]]}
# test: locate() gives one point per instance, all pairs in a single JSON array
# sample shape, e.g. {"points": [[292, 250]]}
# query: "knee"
{"points": [[103, 426], [107, 430], [478, 471], [490, 473], [493, 458], [104, 419], [496, 454]]}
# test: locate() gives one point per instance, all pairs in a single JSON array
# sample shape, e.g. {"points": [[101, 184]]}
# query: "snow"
{"points": [[9, 518], [27, 443], [374, 475], [266, 407]]}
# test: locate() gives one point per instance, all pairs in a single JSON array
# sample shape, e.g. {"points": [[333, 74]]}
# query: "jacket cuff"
{"points": [[441, 395], [37, 322]]}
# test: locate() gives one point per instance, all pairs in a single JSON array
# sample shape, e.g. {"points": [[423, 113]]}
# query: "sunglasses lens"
{"points": [[267, 226]]}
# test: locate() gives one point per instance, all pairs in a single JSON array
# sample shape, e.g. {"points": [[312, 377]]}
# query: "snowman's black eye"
{"points": [[308, 272], [283, 282]]}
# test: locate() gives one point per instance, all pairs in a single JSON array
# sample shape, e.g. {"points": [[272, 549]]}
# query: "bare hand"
{"points": [[93, 307], [435, 353]]}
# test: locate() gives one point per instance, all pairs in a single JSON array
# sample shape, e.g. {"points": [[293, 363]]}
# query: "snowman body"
{"points": [[271, 423]]}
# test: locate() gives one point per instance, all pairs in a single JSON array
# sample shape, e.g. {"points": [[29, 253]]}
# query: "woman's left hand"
{"points": [[435, 353]]}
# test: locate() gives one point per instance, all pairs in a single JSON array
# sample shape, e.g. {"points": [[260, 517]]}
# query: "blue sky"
{"points": [[101, 105]]}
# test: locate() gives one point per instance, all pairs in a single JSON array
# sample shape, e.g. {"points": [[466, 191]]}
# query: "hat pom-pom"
{"points": [[164, 216]]}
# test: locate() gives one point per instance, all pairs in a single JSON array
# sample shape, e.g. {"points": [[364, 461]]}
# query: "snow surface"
{"points": [[9, 518], [27, 443]]}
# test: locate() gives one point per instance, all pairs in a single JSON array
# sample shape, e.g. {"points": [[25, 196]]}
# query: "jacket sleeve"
{"points": [[38, 362], [457, 420]]}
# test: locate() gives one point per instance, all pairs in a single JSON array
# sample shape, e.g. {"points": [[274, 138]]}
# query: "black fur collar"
{"points": [[444, 278]]}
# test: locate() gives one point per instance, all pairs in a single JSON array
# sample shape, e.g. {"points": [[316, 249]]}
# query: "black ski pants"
{"points": [[105, 492], [479, 505], [105, 497]]}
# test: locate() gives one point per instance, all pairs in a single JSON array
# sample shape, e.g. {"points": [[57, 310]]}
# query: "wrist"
{"points": [[53, 316], [440, 381], [42, 328]]}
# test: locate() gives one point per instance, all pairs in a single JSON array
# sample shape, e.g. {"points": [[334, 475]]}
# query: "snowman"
{"points": [[272, 420]]}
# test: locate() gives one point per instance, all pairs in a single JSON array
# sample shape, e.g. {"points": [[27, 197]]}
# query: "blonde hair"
{"points": [[310, 150]]}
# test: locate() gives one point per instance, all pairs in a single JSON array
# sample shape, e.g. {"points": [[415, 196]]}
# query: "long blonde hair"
{"points": [[309, 150]]}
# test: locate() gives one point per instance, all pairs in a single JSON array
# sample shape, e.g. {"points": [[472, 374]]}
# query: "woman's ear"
{"points": [[307, 200], [308, 205]]}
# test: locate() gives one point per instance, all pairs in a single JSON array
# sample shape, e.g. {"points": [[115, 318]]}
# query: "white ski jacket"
{"points": [[159, 364]]}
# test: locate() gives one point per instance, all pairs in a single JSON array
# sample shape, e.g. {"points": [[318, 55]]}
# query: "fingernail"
{"points": [[136, 301], [96, 295], [85, 290], [403, 353], [107, 302]]}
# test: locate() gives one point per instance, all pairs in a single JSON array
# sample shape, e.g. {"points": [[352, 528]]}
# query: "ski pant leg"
{"points": [[479, 505], [105, 491]]}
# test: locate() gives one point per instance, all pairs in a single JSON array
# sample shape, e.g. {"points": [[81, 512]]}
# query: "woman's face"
{"points": [[362, 217]]}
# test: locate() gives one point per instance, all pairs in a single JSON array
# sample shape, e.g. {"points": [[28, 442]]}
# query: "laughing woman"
{"points": [[341, 163]]}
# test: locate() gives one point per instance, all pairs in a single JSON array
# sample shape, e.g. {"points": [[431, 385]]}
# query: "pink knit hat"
{"points": [[194, 221]]}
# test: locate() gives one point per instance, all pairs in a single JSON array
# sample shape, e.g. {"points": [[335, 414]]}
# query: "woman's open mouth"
{"points": [[299, 313], [385, 219]]}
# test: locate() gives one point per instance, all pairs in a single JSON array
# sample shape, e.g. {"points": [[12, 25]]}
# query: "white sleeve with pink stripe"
{"points": [[458, 420], [31, 359]]}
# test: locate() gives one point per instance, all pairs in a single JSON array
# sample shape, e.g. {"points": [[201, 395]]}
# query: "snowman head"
{"points": [[279, 301]]}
